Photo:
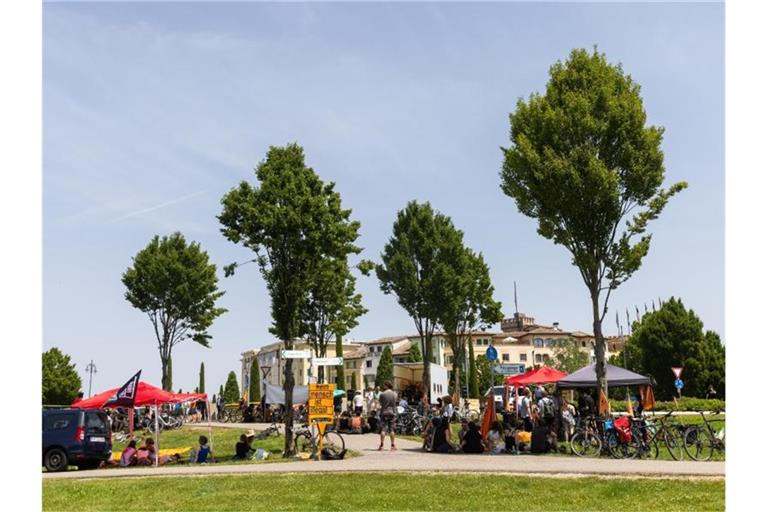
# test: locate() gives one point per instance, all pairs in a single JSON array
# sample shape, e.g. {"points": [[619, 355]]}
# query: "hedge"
{"points": [[683, 404]]}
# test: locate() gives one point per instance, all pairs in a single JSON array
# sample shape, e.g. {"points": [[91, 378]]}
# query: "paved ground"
{"points": [[410, 457]]}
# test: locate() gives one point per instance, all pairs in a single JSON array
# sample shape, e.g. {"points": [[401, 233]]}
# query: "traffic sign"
{"points": [[329, 361], [321, 402], [491, 354], [295, 354], [510, 368], [678, 384], [677, 371]]}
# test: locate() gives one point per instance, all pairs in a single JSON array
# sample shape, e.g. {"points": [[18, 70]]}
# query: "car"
{"points": [[75, 437], [498, 396]]}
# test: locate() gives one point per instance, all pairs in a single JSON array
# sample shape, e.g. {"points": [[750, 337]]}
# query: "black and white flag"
{"points": [[126, 395]]}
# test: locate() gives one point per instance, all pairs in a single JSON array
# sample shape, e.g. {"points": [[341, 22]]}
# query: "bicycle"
{"points": [[595, 436], [465, 413], [305, 440], [701, 441], [273, 429], [653, 431]]}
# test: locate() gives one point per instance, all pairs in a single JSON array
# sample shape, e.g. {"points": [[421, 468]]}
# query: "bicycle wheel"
{"points": [[648, 450], [304, 444], [698, 443], [674, 443], [333, 442], [586, 444], [623, 450]]}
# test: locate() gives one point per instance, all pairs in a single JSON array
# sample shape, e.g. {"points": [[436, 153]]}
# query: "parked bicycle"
{"points": [[701, 441], [305, 440], [651, 432], [595, 436]]}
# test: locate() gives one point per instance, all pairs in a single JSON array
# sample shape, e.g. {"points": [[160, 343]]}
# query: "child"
{"points": [[200, 454], [128, 457]]}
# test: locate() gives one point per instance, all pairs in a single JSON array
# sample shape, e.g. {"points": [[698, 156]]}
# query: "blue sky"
{"points": [[153, 112]]}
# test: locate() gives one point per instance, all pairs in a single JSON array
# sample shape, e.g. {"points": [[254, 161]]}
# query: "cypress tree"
{"points": [[340, 382], [231, 389], [474, 388], [414, 353], [201, 386], [385, 370]]}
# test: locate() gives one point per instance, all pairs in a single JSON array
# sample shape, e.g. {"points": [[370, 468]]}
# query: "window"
{"points": [[371, 349], [505, 357], [478, 342], [538, 358], [450, 359], [485, 341], [57, 421], [378, 349], [523, 358], [538, 342], [549, 342], [583, 344], [546, 357], [369, 364]]}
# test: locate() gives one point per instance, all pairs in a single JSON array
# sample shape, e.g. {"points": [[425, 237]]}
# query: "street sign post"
{"points": [[677, 371], [328, 361], [491, 354], [510, 368], [295, 354], [321, 409]]}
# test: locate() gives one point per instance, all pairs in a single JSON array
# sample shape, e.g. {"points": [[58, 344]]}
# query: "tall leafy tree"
{"points": [[201, 386], [468, 306], [255, 382], [61, 382], [293, 222], [386, 369], [176, 286], [675, 336], [414, 354], [568, 357], [231, 389], [416, 265], [586, 166], [332, 306], [340, 382]]}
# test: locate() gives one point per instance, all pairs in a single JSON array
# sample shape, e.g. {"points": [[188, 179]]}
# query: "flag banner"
{"points": [[126, 395], [604, 405]]}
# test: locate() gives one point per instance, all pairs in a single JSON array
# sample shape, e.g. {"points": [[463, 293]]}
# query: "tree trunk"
{"points": [[167, 373], [425, 378], [288, 450], [456, 366], [602, 383]]}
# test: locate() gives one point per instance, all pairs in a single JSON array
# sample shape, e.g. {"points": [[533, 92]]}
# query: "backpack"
{"points": [[621, 424], [548, 408]]}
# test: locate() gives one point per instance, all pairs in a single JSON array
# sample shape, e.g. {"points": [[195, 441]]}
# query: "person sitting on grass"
{"points": [[472, 442], [441, 440], [147, 455], [199, 455], [128, 457], [494, 441], [243, 450]]}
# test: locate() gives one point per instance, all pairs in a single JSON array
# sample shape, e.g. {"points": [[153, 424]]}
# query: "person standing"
{"points": [[569, 419], [524, 410], [369, 399], [388, 420], [358, 403]]}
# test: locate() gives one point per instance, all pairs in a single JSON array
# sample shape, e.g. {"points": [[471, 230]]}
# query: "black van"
{"points": [[75, 437]]}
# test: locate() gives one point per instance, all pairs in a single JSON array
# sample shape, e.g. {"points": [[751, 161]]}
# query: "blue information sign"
{"points": [[491, 354], [678, 384]]}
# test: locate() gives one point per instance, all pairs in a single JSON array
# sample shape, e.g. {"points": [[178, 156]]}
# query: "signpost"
{"points": [[677, 370], [321, 409], [491, 355], [511, 368], [295, 354], [328, 361]]}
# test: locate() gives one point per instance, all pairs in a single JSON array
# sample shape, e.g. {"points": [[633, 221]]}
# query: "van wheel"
{"points": [[56, 460]]}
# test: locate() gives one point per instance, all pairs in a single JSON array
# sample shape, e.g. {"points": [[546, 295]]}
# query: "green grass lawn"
{"points": [[390, 491]]}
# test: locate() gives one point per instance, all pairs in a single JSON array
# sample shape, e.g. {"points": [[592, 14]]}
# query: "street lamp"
{"points": [[91, 369]]}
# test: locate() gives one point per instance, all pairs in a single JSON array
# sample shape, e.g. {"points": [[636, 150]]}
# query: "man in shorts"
{"points": [[388, 412]]}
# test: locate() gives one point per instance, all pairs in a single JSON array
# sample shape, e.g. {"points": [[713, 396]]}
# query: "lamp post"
{"points": [[91, 369]]}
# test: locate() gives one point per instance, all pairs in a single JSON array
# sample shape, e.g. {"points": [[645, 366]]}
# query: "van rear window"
{"points": [[95, 423]]}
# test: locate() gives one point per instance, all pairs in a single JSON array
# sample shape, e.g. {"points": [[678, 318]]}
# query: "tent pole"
{"points": [[157, 438], [208, 413]]}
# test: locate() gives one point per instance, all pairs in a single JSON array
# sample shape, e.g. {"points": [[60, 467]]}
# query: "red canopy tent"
{"points": [[146, 394], [542, 375]]}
